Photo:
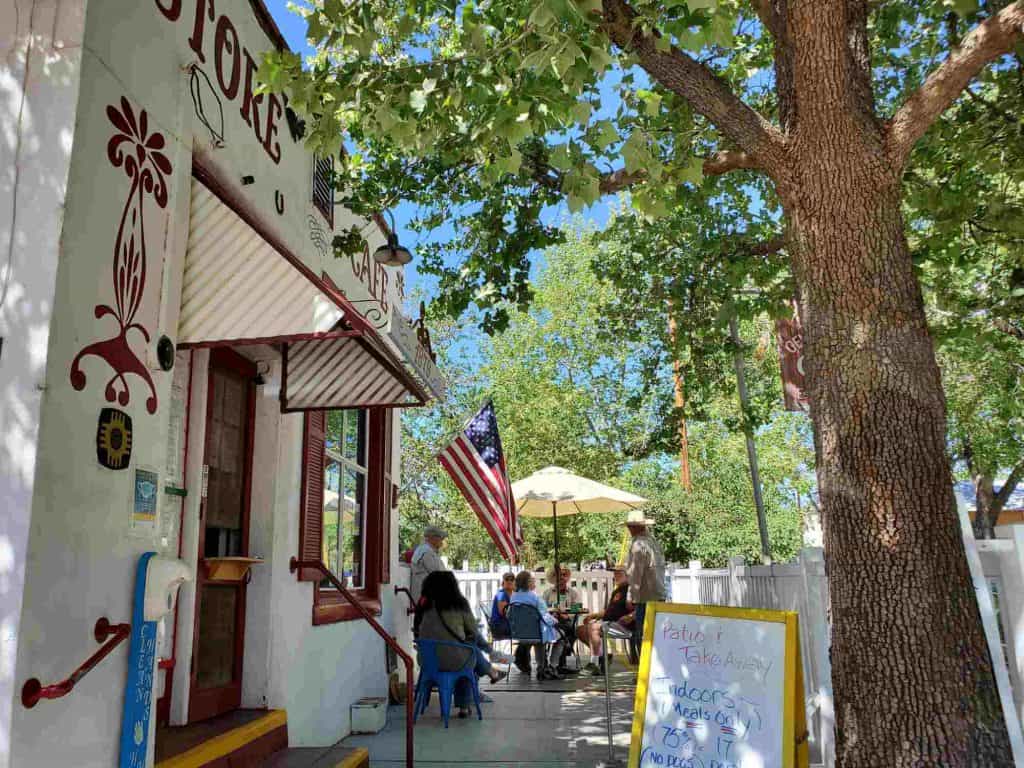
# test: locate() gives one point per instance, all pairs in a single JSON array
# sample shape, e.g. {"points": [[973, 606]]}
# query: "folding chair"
{"points": [[485, 614], [527, 628], [431, 676]]}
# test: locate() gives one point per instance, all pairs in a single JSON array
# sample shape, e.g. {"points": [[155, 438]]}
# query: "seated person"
{"points": [[563, 596], [499, 605], [525, 584], [445, 615], [619, 611], [500, 629]]}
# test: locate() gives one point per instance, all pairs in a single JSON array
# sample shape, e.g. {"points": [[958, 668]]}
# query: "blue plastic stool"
{"points": [[431, 675]]}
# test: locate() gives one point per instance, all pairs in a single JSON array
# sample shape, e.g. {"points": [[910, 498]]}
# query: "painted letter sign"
{"points": [[791, 357], [417, 358], [138, 691]]}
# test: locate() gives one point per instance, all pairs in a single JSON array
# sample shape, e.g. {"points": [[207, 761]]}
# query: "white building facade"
{"points": [[186, 369]]}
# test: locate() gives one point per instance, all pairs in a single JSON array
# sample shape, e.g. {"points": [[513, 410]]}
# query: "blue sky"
{"points": [[293, 27]]}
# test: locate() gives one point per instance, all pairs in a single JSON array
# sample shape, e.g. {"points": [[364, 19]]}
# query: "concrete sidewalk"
{"points": [[536, 728]]}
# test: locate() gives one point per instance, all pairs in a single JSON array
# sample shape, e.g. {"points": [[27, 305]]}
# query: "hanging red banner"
{"points": [[791, 357]]}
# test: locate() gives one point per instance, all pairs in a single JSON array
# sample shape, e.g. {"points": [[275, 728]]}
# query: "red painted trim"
{"points": [[335, 612], [205, 703], [111, 635], [342, 407], [268, 25], [268, 340]]}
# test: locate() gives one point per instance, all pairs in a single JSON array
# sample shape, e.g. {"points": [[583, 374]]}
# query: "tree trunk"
{"points": [[911, 670], [985, 514]]}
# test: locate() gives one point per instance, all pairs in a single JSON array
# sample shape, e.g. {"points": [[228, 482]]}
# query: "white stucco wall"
{"points": [[73, 558], [40, 52]]}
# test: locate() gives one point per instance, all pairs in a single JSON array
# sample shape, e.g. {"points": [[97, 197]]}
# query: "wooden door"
{"points": [[216, 673]]}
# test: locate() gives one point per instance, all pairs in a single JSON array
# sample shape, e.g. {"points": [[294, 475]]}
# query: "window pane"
{"points": [[354, 523], [331, 533], [354, 448]]}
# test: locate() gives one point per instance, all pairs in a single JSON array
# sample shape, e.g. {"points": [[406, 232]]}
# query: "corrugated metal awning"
{"points": [[241, 287], [343, 373], [237, 288]]}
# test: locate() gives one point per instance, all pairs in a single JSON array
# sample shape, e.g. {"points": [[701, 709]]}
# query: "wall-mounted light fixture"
{"points": [[392, 253]]}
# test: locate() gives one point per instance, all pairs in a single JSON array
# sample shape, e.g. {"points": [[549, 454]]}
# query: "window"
{"points": [[345, 495], [323, 187], [346, 517]]}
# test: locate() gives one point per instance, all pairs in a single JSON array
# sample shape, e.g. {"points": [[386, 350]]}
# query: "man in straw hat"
{"points": [[645, 569], [426, 559]]}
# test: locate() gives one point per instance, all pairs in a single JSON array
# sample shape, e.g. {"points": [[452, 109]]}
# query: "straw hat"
{"points": [[637, 517]]}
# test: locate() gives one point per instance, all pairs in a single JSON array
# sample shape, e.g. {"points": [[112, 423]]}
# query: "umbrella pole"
{"points": [[558, 568]]}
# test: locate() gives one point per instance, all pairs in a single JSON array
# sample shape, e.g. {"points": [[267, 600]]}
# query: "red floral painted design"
{"points": [[138, 151]]}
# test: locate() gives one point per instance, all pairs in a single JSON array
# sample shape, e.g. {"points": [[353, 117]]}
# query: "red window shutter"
{"points": [[311, 514], [385, 538]]}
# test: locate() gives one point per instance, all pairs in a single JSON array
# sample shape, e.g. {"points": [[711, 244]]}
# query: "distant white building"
{"points": [[177, 343]]}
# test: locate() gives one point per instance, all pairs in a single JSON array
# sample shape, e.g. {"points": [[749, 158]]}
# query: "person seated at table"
{"points": [[619, 611], [446, 616], [562, 596], [550, 633], [498, 623], [562, 599]]}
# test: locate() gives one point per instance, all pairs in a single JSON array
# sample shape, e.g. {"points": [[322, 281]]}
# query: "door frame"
{"points": [[203, 704]]}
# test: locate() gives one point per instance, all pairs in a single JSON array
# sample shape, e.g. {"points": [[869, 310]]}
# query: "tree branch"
{"points": [[761, 248], [1000, 499], [728, 160], [616, 181], [986, 42], [703, 89]]}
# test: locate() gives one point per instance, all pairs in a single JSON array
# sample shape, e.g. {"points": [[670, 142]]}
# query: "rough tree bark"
{"points": [[912, 674], [988, 502]]}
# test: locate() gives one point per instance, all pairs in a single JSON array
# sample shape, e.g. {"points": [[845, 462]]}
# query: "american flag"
{"points": [[475, 462]]}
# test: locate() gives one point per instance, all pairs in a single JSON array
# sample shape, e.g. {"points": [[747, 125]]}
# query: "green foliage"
{"points": [[571, 393], [965, 205], [717, 519]]}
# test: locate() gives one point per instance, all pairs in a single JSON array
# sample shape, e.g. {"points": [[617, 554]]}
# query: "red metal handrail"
{"points": [[294, 565], [111, 635]]}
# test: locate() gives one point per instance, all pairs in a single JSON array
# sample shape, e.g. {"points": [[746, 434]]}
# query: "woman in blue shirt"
{"points": [[524, 594]]}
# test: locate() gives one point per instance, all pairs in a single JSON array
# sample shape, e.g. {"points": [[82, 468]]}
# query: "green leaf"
{"points": [[580, 112], [560, 158], [693, 171], [600, 59], [537, 60], [605, 134], [635, 152], [542, 17], [418, 100]]}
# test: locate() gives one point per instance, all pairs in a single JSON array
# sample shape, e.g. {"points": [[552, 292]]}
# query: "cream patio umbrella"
{"points": [[553, 492]]}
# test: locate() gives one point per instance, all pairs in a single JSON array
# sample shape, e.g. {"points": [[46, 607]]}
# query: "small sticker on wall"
{"points": [[145, 500], [114, 439]]}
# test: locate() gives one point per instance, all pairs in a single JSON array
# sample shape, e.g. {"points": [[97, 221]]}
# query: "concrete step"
{"points": [[319, 757]]}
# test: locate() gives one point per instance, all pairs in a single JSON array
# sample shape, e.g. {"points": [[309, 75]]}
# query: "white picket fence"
{"points": [[802, 587], [799, 587]]}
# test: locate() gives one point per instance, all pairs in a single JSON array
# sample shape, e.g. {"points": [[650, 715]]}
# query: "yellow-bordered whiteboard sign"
{"points": [[718, 688]]}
